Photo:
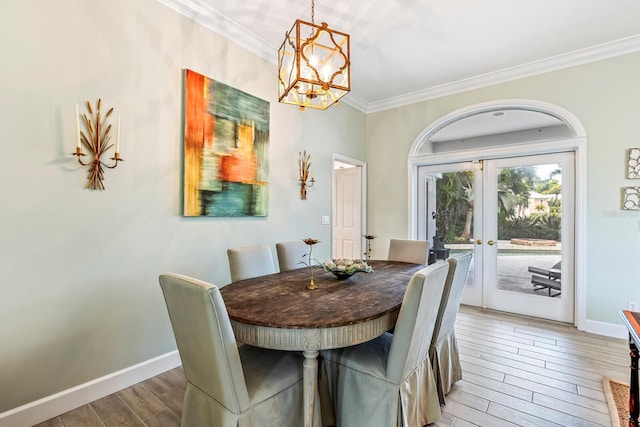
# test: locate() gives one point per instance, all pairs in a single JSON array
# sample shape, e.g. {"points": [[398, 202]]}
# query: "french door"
{"points": [[516, 215]]}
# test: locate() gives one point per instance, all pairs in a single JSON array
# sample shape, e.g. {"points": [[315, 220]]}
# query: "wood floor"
{"points": [[517, 371]]}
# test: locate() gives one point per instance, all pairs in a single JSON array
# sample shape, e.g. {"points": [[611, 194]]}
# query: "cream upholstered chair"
{"points": [[250, 261], [388, 381], [413, 251], [443, 351], [290, 254], [228, 386]]}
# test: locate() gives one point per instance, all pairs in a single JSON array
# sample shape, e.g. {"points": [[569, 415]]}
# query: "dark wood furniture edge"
{"points": [[633, 326]]}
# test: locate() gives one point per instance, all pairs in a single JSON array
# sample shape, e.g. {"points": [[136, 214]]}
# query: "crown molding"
{"points": [[559, 62], [205, 15], [200, 12]]}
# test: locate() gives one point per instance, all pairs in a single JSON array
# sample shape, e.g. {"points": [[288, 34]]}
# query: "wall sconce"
{"points": [[96, 141], [304, 165]]}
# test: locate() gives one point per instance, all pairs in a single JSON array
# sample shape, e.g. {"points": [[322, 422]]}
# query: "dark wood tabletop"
{"points": [[281, 300], [631, 320]]}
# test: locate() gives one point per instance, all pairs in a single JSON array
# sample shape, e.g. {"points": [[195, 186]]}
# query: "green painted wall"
{"points": [[79, 297], [605, 96]]}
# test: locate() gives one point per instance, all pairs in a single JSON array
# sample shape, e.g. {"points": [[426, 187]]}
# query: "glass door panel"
{"points": [[516, 215], [529, 229], [452, 196]]}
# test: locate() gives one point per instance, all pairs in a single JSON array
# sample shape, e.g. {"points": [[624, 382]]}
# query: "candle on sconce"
{"points": [[97, 143], [118, 137], [312, 174], [77, 128]]}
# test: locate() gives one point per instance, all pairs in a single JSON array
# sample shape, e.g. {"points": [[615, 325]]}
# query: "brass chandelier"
{"points": [[313, 65]]}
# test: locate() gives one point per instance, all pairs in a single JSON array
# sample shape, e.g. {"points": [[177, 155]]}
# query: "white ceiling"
{"points": [[404, 51]]}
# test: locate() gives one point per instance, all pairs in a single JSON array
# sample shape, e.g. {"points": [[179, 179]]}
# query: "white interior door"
{"points": [[347, 224]]}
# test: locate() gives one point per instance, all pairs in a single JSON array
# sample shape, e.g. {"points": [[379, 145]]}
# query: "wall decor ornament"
{"points": [[310, 242], [96, 141], [631, 198], [226, 150], [305, 169], [633, 163], [369, 238]]}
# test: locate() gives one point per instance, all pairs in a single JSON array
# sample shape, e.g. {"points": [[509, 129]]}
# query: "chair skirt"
{"points": [[446, 364], [363, 397], [199, 410]]}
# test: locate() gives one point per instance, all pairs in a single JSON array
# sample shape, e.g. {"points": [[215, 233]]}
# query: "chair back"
{"points": [[459, 265], [417, 317], [250, 261], [413, 251], [290, 254], [206, 342]]}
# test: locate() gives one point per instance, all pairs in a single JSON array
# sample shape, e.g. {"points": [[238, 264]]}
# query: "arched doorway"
{"points": [[482, 143]]}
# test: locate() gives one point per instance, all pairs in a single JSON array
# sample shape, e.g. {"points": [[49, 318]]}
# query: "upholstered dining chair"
{"points": [[389, 381], [413, 251], [228, 386], [246, 262], [443, 351], [290, 254]]}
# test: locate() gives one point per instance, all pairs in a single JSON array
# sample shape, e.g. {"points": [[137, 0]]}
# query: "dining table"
{"points": [[278, 312]]}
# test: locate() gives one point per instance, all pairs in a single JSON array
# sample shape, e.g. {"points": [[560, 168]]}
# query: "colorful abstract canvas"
{"points": [[226, 150]]}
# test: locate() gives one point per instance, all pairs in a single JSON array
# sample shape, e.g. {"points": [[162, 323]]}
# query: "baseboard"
{"points": [[66, 400], [608, 329]]}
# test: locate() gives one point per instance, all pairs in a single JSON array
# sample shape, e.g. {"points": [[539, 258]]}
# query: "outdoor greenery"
{"points": [[455, 201]]}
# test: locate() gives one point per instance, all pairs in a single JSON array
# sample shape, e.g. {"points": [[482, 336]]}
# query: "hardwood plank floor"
{"points": [[518, 371]]}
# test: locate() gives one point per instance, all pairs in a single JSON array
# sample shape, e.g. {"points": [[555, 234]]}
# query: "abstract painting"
{"points": [[226, 150]]}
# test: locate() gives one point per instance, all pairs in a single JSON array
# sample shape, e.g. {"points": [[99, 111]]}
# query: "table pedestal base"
{"points": [[310, 385]]}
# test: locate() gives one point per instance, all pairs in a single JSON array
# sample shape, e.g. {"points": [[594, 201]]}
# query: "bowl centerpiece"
{"points": [[345, 268]]}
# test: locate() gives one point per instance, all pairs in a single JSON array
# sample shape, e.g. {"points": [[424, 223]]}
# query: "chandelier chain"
{"points": [[312, 11]]}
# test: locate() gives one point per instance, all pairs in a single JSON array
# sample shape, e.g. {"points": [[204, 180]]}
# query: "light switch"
{"points": [[325, 220]]}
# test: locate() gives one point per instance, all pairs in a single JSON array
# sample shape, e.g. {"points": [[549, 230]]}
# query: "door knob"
{"points": [[491, 243], [478, 242]]}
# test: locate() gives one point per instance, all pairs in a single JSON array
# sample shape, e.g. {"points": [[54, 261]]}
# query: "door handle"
{"points": [[491, 243], [478, 242]]}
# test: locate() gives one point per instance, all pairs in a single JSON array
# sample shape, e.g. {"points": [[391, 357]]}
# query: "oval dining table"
{"points": [[278, 312]]}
